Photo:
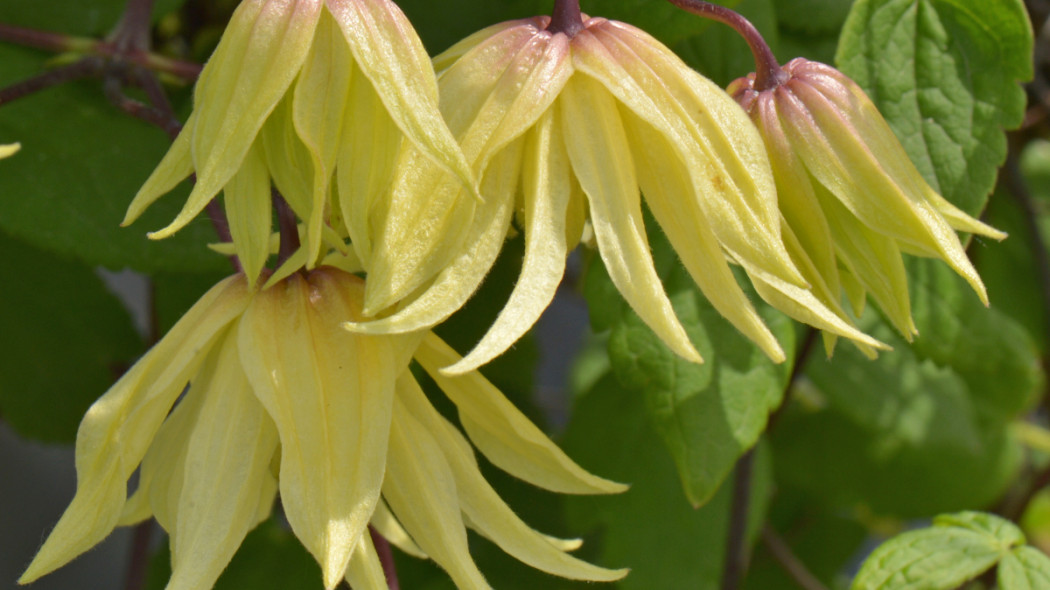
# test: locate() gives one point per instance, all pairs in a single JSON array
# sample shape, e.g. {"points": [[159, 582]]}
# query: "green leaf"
{"points": [[957, 548], [651, 527], [270, 558], [81, 162], [900, 435], [944, 73], [707, 414], [66, 338], [1024, 568], [990, 351]]}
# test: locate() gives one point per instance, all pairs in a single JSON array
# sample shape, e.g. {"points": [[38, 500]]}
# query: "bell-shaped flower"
{"points": [[564, 129], [852, 200], [315, 96], [282, 399]]}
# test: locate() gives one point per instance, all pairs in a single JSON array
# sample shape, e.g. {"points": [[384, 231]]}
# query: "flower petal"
{"points": [[421, 490], [457, 282], [365, 570], [263, 47], [329, 393], [174, 167], [723, 151], [365, 169], [502, 433], [248, 209], [491, 97], [482, 506], [384, 522], [665, 182], [546, 184], [288, 159], [601, 160], [118, 428], [230, 450], [391, 55]]}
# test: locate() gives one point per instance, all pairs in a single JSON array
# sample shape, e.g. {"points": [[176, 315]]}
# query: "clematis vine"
{"points": [[315, 97], [573, 119], [282, 399]]}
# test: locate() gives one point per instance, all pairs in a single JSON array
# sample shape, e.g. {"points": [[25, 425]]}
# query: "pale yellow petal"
{"points": [[457, 282], [365, 571], [294, 262], [848, 167], [502, 433], [118, 428], [665, 182], [391, 55], [365, 169], [230, 449], [288, 159], [546, 184], [329, 393], [725, 155], [490, 98], [421, 491], [387, 525], [319, 108], [601, 160], [174, 167], [446, 58], [483, 507], [248, 203], [9, 149], [254, 65]]}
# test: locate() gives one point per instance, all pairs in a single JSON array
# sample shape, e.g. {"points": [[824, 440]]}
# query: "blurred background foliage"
{"points": [[847, 451]]}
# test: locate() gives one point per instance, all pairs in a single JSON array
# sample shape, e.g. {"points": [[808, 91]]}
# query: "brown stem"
{"points": [[114, 92], [566, 18], [84, 68], [288, 227], [736, 542], [768, 73], [386, 557], [809, 342], [794, 567], [132, 33], [138, 561], [44, 39]]}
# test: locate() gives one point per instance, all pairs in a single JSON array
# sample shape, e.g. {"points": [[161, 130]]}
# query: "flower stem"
{"points": [[736, 542], [288, 227], [85, 68], [768, 73], [566, 18], [45, 39], [386, 557]]}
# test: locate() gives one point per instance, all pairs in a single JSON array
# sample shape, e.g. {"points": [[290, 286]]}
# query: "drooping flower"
{"points": [[281, 398], [561, 128], [302, 92], [851, 198]]}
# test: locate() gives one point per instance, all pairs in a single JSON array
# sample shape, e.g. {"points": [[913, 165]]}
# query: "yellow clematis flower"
{"points": [[564, 128], [852, 200], [302, 92], [9, 149], [281, 398]]}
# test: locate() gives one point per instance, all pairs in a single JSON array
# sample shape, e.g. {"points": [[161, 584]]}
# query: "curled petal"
{"points": [[546, 181], [388, 51], [502, 433], [329, 393], [387, 525], [264, 46], [601, 159], [483, 507], [249, 211], [118, 428], [421, 490], [174, 167], [365, 570], [230, 449]]}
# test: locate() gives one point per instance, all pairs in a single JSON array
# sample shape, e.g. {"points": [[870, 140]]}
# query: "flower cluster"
{"points": [[296, 381]]}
